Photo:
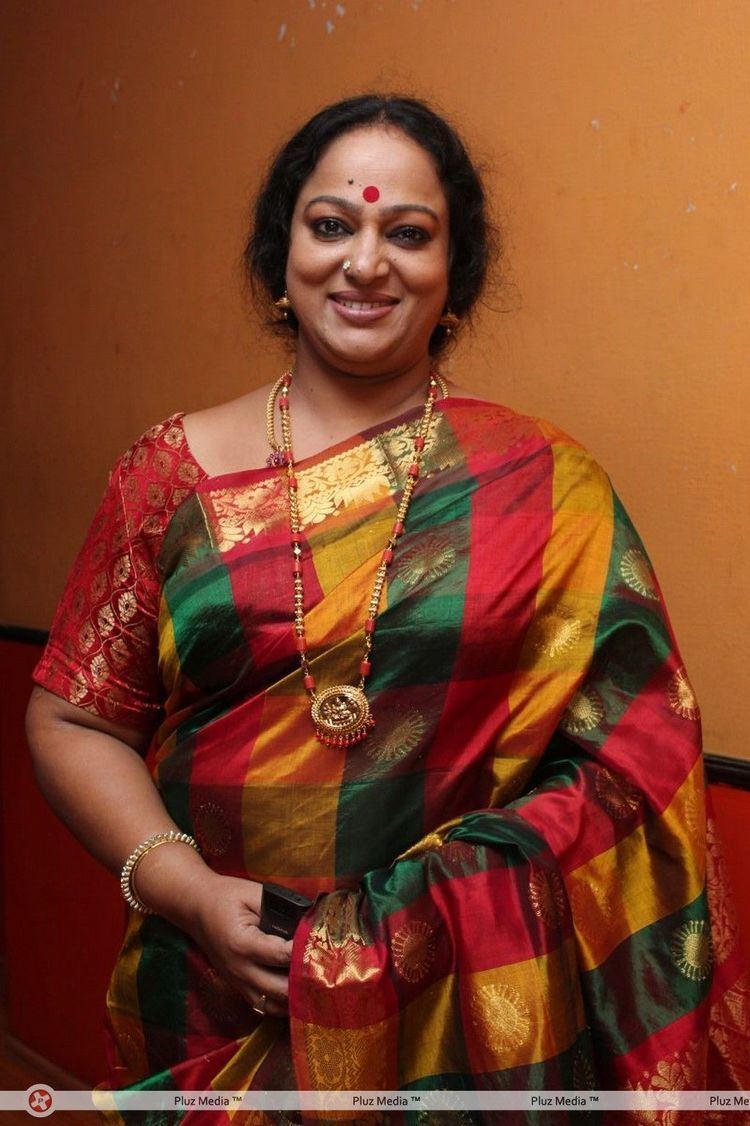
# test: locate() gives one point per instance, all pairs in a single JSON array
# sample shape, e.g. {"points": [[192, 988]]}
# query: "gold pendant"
{"points": [[341, 715]]}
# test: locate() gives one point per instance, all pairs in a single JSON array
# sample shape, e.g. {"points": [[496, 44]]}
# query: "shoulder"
{"points": [[155, 475], [495, 431]]}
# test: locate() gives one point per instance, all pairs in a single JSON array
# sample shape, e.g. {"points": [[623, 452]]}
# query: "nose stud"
{"points": [[347, 267]]}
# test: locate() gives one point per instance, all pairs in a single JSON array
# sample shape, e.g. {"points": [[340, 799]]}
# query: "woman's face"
{"points": [[373, 198]]}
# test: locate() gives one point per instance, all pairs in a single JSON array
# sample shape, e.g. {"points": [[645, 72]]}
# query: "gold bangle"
{"points": [[174, 836]]}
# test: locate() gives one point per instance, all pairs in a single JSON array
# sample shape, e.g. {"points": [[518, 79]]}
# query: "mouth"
{"points": [[361, 308]]}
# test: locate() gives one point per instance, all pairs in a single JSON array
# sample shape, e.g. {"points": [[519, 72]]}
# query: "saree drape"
{"points": [[514, 884]]}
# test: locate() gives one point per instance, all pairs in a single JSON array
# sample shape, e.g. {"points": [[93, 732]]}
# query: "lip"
{"points": [[349, 305]]}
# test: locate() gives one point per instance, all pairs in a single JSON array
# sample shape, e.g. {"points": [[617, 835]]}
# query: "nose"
{"points": [[369, 261]]}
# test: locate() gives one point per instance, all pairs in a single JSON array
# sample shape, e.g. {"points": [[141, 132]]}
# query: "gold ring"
{"points": [[260, 1005]]}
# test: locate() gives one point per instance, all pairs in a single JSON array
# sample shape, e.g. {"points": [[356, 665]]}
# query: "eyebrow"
{"points": [[357, 208]]}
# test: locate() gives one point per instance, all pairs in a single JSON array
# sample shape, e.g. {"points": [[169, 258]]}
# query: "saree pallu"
{"points": [[514, 883]]}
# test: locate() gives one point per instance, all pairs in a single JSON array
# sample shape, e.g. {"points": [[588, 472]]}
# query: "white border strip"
{"points": [[41, 1100]]}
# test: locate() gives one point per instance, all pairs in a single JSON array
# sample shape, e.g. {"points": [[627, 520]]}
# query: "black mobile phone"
{"points": [[281, 909]]}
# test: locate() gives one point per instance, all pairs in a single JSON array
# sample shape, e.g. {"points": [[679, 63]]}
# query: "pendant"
{"points": [[341, 715]]}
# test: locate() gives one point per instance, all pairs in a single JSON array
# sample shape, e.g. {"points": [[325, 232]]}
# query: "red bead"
{"points": [[283, 402], [398, 528], [387, 556], [287, 379], [414, 470], [292, 482], [297, 566], [419, 443], [370, 625], [309, 683], [294, 539], [301, 644], [365, 668]]}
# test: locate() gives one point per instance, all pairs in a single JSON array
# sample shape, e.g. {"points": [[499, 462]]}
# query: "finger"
{"points": [[269, 949], [256, 980], [267, 1007]]}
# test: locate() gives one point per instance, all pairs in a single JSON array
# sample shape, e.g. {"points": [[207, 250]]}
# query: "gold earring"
{"points": [[284, 305], [450, 322]]}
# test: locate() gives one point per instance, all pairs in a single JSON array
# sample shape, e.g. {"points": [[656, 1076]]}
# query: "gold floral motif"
{"points": [[86, 637], [242, 513], [79, 690], [174, 436], [336, 965], [498, 1010], [156, 495], [729, 1024], [122, 569], [681, 1071], [724, 930], [105, 620], [616, 795], [547, 897], [432, 558], [691, 949], [342, 1062], [153, 524], [140, 457], [359, 474], [584, 712], [414, 948], [212, 829], [99, 670], [163, 462], [127, 606], [636, 571], [334, 944], [392, 743], [681, 696], [188, 472], [557, 632], [337, 922]]}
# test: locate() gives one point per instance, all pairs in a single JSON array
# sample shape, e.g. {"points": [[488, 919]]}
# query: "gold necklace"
{"points": [[341, 714]]}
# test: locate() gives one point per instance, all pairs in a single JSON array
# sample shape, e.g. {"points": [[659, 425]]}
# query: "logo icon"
{"points": [[40, 1100]]}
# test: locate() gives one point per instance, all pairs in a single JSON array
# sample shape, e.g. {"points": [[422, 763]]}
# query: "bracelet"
{"points": [[174, 836]]}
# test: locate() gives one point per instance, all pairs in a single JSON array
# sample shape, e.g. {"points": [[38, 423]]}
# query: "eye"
{"points": [[329, 228], [409, 235]]}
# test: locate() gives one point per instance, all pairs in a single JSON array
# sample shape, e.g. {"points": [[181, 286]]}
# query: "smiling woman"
{"points": [[361, 659]]}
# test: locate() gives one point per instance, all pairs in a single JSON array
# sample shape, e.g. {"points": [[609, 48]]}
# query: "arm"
{"points": [[91, 772]]}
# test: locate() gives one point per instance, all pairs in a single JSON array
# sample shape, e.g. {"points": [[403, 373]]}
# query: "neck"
{"points": [[354, 400]]}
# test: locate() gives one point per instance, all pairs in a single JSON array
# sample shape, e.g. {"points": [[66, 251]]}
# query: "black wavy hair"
{"points": [[473, 240]]}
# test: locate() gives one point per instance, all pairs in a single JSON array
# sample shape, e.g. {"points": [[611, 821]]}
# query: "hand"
{"points": [[224, 923]]}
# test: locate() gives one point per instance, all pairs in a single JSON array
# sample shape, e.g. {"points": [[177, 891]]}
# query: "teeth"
{"points": [[362, 304]]}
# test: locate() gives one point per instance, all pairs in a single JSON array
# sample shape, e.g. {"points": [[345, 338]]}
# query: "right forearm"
{"points": [[101, 788]]}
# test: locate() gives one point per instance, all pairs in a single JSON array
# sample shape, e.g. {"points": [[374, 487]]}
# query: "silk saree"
{"points": [[515, 881]]}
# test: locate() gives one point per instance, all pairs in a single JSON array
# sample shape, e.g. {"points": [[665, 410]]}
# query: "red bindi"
{"points": [[371, 194]]}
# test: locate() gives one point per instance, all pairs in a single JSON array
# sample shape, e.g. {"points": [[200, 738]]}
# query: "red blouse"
{"points": [[102, 653]]}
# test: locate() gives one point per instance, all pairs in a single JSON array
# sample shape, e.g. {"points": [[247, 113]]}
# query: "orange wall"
{"points": [[132, 137]]}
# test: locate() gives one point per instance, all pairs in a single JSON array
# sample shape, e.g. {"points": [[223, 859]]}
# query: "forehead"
{"points": [[378, 156]]}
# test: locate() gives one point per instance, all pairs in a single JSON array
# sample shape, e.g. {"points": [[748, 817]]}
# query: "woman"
{"points": [[416, 669]]}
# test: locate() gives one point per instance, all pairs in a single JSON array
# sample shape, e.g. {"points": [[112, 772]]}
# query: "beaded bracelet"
{"points": [[128, 869]]}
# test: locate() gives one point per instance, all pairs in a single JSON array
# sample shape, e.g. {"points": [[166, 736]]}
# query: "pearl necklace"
{"points": [[341, 714]]}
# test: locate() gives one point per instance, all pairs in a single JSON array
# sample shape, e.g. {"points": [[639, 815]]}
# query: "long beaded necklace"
{"points": [[341, 714]]}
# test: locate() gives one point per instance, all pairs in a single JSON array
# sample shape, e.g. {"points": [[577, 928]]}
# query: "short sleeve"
{"points": [[103, 648]]}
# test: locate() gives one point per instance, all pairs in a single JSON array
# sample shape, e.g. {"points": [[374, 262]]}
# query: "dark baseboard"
{"points": [[729, 771], [24, 634]]}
